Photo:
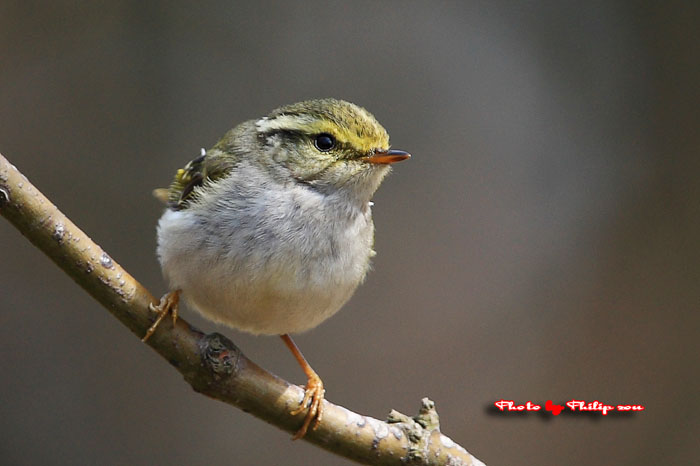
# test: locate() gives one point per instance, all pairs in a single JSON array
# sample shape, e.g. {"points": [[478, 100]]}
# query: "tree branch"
{"points": [[212, 364]]}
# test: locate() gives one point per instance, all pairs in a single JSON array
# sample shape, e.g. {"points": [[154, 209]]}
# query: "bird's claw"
{"points": [[313, 399], [168, 304]]}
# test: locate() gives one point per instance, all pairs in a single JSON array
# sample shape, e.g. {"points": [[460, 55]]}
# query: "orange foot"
{"points": [[168, 304], [313, 393], [313, 398]]}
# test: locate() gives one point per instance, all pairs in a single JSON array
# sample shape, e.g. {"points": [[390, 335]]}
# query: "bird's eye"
{"points": [[324, 142]]}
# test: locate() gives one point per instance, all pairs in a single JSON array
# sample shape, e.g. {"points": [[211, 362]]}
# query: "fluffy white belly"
{"points": [[265, 282]]}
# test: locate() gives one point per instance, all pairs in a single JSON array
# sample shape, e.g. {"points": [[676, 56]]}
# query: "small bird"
{"points": [[270, 231]]}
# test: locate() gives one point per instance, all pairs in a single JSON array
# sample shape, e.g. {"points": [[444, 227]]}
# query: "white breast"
{"points": [[265, 261]]}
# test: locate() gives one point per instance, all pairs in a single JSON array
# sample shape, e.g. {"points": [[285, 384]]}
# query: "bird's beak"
{"points": [[386, 157]]}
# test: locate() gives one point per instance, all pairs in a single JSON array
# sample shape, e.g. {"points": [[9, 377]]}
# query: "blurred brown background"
{"points": [[543, 243]]}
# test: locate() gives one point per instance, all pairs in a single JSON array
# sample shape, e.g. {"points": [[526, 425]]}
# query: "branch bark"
{"points": [[212, 364]]}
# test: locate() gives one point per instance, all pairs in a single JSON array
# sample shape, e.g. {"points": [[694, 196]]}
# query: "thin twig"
{"points": [[212, 364]]}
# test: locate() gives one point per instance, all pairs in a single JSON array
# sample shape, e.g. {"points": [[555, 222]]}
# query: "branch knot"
{"points": [[418, 429], [219, 354]]}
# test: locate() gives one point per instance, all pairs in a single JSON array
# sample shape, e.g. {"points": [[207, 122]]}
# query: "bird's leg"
{"points": [[313, 393], [168, 304]]}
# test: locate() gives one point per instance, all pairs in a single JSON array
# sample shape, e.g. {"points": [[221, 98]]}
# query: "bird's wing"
{"points": [[210, 166]]}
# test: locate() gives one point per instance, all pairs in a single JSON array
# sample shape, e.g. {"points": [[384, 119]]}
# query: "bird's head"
{"points": [[329, 144]]}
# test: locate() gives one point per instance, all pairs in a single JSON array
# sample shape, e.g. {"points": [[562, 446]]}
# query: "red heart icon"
{"points": [[555, 409]]}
